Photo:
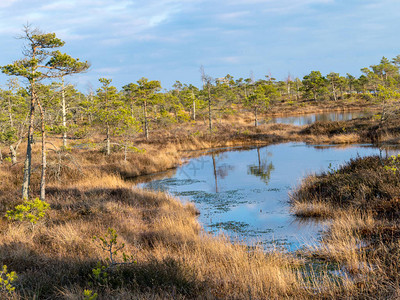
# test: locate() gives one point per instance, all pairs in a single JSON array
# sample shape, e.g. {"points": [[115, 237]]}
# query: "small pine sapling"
{"points": [[30, 211]]}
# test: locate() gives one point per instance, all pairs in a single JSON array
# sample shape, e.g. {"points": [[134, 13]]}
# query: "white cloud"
{"points": [[6, 3]]}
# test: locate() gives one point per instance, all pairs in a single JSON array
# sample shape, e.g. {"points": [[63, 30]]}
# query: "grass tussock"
{"points": [[364, 234], [174, 257]]}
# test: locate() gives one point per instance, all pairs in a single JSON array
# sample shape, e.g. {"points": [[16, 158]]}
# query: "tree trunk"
{"points": [[28, 160], [334, 92], [108, 140], [1, 157], [64, 114], [44, 161], [146, 125], [13, 154]]}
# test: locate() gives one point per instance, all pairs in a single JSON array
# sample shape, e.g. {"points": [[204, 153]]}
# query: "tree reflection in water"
{"points": [[262, 170]]}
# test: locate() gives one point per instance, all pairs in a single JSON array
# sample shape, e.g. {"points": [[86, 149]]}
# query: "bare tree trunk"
{"points": [[13, 151], [13, 154], [125, 152], [64, 114], [44, 161], [146, 125], [1, 157], [28, 160], [334, 92]]}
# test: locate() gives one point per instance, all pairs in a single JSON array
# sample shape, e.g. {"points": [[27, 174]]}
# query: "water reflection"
{"points": [[245, 193], [320, 117], [262, 170]]}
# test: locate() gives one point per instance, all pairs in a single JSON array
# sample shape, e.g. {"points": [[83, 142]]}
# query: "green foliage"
{"points": [[31, 211], [81, 133], [393, 164], [42, 62], [136, 150], [6, 280], [89, 295], [314, 85], [100, 275], [386, 93], [103, 271], [110, 245]]}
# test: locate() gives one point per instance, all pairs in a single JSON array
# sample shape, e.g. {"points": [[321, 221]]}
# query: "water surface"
{"points": [[244, 194], [308, 119]]}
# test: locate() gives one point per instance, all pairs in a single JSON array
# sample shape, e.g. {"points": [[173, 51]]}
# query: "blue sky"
{"points": [[169, 40]]}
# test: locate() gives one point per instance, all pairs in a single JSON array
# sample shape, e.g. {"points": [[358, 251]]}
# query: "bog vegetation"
{"points": [[80, 147]]}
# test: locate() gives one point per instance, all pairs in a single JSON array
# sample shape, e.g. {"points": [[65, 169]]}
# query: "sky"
{"points": [[169, 40]]}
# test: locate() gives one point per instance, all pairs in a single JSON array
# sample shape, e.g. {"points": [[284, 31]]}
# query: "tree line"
{"points": [[46, 105]]}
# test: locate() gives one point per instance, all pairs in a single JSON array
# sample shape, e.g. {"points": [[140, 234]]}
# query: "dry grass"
{"points": [[364, 235], [312, 209], [175, 257]]}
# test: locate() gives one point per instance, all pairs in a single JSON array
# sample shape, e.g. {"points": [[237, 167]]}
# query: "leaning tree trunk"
{"points": [[44, 161], [28, 160]]}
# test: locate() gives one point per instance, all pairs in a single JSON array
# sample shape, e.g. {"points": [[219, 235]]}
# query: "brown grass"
{"points": [[364, 236], [175, 257]]}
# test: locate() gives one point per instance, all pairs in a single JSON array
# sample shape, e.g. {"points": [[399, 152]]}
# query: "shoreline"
{"points": [[163, 234]]}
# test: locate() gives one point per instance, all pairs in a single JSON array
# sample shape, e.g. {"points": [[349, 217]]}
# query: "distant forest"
{"points": [[142, 106]]}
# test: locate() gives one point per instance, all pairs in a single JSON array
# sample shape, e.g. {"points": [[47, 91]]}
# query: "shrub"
{"points": [[6, 280], [31, 211]]}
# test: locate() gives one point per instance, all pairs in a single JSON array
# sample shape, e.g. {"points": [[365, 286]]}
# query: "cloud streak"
{"points": [[168, 39]]}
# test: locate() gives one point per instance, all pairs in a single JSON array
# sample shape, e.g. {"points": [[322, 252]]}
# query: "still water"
{"points": [[321, 117], [244, 193]]}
